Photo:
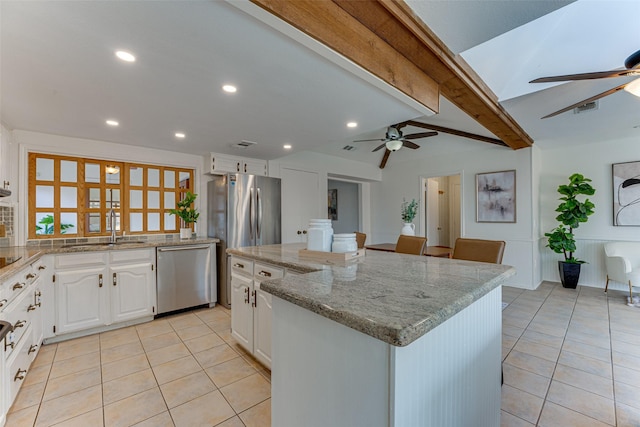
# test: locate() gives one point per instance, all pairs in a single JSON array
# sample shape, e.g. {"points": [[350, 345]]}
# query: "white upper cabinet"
{"points": [[223, 163]]}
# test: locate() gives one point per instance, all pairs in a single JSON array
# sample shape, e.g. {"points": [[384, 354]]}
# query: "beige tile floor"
{"points": [[183, 370], [571, 358]]}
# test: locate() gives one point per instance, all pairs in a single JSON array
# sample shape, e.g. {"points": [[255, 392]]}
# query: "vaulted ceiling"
{"points": [[59, 75]]}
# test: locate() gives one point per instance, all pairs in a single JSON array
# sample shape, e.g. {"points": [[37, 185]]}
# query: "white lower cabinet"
{"points": [[251, 307], [22, 306], [95, 289]]}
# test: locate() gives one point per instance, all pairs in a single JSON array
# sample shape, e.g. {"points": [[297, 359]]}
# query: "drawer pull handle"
{"points": [[38, 302], [3, 302], [20, 374], [42, 267], [31, 307], [33, 348], [238, 265], [115, 280], [246, 295], [30, 276], [264, 273], [20, 324], [254, 303], [18, 286], [8, 344], [100, 281]]}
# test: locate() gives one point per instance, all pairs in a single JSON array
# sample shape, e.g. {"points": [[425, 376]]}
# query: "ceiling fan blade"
{"points": [[585, 101], [383, 163], [369, 140], [420, 135], [379, 147], [410, 144], [456, 132], [586, 76]]}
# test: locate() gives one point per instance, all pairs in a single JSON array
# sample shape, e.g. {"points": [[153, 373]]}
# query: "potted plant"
{"points": [[408, 212], [187, 213], [572, 212]]}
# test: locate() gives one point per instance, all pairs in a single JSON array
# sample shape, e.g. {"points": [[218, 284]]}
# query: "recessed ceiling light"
{"points": [[287, 146], [125, 56], [112, 122], [180, 135], [352, 125], [229, 88]]}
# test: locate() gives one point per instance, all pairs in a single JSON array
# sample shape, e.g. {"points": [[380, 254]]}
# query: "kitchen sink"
{"points": [[105, 244]]}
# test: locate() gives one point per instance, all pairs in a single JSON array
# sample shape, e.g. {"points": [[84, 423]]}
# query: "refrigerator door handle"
{"points": [[259, 222], [251, 213]]}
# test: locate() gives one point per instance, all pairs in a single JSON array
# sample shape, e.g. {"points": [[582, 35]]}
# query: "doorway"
{"points": [[442, 209], [343, 201]]}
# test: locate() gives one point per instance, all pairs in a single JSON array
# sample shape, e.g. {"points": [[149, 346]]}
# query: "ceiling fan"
{"points": [[632, 65], [394, 140]]}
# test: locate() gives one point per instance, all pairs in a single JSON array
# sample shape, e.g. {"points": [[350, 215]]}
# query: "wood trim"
{"points": [[359, 30], [329, 23]]}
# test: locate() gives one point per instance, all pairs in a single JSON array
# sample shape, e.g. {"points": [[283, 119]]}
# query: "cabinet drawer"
{"points": [[133, 255], [241, 266], [17, 366], [20, 314], [266, 271], [14, 286], [75, 260]]}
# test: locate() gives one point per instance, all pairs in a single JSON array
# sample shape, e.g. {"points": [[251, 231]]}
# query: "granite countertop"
{"points": [[395, 298], [29, 254]]}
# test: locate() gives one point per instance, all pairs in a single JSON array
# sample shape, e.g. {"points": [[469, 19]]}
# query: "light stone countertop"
{"points": [[395, 298], [30, 254]]}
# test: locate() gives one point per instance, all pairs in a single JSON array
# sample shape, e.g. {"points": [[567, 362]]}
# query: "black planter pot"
{"points": [[569, 274]]}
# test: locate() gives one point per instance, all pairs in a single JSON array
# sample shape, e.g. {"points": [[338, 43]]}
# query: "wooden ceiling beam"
{"points": [[386, 38], [331, 25]]}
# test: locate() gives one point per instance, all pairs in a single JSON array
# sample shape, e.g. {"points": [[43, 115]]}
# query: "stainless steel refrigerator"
{"points": [[243, 210]]}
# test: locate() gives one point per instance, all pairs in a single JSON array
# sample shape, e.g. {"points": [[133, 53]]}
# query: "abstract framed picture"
{"points": [[333, 204], [626, 194], [496, 196]]}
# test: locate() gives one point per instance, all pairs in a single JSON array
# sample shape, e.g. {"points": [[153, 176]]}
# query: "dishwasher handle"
{"points": [[180, 248]]}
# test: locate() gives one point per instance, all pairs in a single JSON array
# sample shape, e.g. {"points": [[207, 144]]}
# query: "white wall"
{"points": [[27, 141], [595, 162], [402, 180]]}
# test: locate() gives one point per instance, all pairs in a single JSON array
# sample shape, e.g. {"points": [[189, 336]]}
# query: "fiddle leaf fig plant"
{"points": [[572, 212]]}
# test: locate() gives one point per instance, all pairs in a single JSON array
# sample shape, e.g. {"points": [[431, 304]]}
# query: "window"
{"points": [[75, 197]]}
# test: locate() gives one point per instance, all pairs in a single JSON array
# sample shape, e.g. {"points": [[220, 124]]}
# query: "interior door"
{"points": [[300, 203], [433, 213], [454, 200]]}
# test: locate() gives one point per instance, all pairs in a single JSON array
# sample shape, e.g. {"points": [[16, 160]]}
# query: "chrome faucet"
{"points": [[112, 222]]}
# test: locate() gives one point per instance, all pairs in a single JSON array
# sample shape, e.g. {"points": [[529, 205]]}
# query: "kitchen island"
{"points": [[384, 340]]}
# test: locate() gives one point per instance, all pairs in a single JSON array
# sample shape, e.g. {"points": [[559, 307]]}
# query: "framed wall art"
{"points": [[496, 196], [333, 204], [626, 194]]}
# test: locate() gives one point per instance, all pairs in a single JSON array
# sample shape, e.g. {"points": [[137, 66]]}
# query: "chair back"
{"points": [[479, 250], [410, 245], [360, 238]]}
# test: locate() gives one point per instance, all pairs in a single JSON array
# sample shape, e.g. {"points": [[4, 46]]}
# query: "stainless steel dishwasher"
{"points": [[186, 276]]}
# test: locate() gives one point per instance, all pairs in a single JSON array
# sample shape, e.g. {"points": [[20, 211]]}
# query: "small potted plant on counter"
{"points": [[187, 213], [572, 213], [409, 211]]}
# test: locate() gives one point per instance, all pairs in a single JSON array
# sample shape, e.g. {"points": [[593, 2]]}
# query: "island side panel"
{"points": [[451, 376], [324, 373]]}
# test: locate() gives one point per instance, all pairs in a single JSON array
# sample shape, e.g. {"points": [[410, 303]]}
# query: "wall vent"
{"points": [[348, 148], [589, 106], [244, 144]]}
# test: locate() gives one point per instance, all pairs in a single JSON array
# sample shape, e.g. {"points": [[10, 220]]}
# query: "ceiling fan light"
{"points": [[633, 87], [394, 145]]}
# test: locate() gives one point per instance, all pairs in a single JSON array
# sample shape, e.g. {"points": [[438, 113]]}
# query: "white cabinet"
{"points": [[251, 307], [21, 306], [223, 163], [80, 299], [95, 289], [300, 203], [5, 161]]}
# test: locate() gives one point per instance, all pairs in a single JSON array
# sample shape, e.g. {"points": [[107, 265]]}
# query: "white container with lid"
{"points": [[319, 235], [344, 243]]}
